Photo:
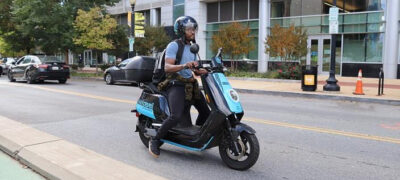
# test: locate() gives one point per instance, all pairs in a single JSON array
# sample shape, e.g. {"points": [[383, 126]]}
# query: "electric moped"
{"points": [[238, 145]]}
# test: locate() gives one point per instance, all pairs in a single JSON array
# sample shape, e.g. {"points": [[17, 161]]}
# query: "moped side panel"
{"points": [[231, 96], [217, 95], [154, 106]]}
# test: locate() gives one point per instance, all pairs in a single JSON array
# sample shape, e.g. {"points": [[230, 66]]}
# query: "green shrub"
{"points": [[291, 71], [74, 66], [103, 67]]}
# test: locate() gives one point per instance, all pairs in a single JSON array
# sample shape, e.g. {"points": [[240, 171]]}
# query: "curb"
{"points": [[87, 78], [264, 79], [320, 96], [55, 158]]}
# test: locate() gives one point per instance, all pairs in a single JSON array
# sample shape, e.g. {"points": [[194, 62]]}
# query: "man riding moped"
{"points": [[181, 87]]}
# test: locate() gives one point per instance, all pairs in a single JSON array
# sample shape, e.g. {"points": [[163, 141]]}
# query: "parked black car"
{"points": [[127, 71], [38, 68]]}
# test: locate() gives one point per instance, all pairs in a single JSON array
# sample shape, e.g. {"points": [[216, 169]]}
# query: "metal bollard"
{"points": [[381, 82]]}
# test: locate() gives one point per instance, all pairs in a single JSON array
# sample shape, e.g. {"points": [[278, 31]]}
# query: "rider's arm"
{"points": [[171, 67]]}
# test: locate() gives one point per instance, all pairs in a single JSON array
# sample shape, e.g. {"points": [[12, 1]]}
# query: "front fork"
{"points": [[231, 137]]}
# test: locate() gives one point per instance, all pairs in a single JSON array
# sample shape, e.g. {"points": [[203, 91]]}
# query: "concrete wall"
{"points": [[198, 10], [166, 9], [121, 7]]}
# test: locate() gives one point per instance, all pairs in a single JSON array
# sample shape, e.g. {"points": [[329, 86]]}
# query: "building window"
{"points": [[285, 8], [232, 10], [241, 9], [212, 12], [374, 47], [254, 9], [225, 11], [178, 9], [363, 47], [277, 9], [146, 17], [158, 14], [354, 48]]}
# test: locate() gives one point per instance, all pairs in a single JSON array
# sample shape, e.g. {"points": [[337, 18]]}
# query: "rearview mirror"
{"points": [[194, 48]]}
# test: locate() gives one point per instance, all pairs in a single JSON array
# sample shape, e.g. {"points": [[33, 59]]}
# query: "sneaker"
{"points": [[154, 147]]}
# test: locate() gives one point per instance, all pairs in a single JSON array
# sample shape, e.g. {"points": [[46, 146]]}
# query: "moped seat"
{"points": [[189, 131]]}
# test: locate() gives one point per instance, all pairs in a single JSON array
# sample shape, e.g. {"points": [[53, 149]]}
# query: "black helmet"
{"points": [[184, 22]]}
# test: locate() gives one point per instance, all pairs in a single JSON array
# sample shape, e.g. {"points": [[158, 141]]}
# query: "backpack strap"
{"points": [[181, 47]]}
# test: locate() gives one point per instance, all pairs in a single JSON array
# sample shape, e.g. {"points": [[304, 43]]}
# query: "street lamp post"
{"points": [[132, 30], [331, 81]]}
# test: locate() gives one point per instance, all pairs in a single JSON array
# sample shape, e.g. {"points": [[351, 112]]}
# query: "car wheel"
{"points": [[10, 76], [109, 79], [29, 78], [1, 71], [62, 81]]}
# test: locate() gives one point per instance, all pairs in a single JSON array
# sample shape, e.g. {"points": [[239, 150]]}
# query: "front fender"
{"points": [[243, 127]]}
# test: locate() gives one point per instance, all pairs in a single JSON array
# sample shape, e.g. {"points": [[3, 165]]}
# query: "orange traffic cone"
{"points": [[359, 86]]}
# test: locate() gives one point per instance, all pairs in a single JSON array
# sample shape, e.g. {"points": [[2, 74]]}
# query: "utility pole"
{"points": [[331, 81], [132, 30]]}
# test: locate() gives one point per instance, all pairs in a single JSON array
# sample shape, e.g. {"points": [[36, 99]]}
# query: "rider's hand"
{"points": [[191, 64], [202, 71]]}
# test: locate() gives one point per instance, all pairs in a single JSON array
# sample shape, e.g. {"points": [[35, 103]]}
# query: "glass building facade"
{"points": [[361, 26], [361, 23], [224, 12], [178, 9], [361, 41]]}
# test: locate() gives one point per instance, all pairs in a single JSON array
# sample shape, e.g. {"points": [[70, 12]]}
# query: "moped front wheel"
{"points": [[247, 155]]}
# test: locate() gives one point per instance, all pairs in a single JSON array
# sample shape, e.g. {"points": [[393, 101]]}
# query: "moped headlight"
{"points": [[234, 95]]}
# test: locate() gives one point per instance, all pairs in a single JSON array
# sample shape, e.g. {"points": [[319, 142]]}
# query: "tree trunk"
{"points": [[232, 64], [66, 56], [97, 65], [236, 65]]}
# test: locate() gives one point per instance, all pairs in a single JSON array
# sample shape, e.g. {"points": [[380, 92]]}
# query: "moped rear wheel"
{"points": [[249, 150]]}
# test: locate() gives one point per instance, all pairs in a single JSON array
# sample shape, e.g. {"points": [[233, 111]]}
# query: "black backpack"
{"points": [[159, 71]]}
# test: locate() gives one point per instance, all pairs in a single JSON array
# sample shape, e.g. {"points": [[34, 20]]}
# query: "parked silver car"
{"points": [[5, 64]]}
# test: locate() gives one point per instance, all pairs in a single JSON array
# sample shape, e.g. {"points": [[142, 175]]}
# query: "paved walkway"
{"points": [[11, 169], [347, 86]]}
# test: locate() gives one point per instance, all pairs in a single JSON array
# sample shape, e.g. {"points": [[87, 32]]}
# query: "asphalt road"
{"points": [[299, 138]]}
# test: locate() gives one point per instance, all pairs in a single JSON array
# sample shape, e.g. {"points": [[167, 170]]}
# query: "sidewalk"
{"points": [[293, 88], [56, 158], [347, 87], [11, 169]]}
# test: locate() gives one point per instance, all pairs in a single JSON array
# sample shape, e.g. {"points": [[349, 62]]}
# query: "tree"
{"points": [[5, 16], [235, 41], [46, 25], [13, 40], [6, 50], [287, 43], [46, 21], [155, 40], [120, 41], [94, 29]]}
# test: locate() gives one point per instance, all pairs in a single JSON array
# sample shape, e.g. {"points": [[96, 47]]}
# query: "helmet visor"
{"points": [[190, 26], [190, 29]]}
